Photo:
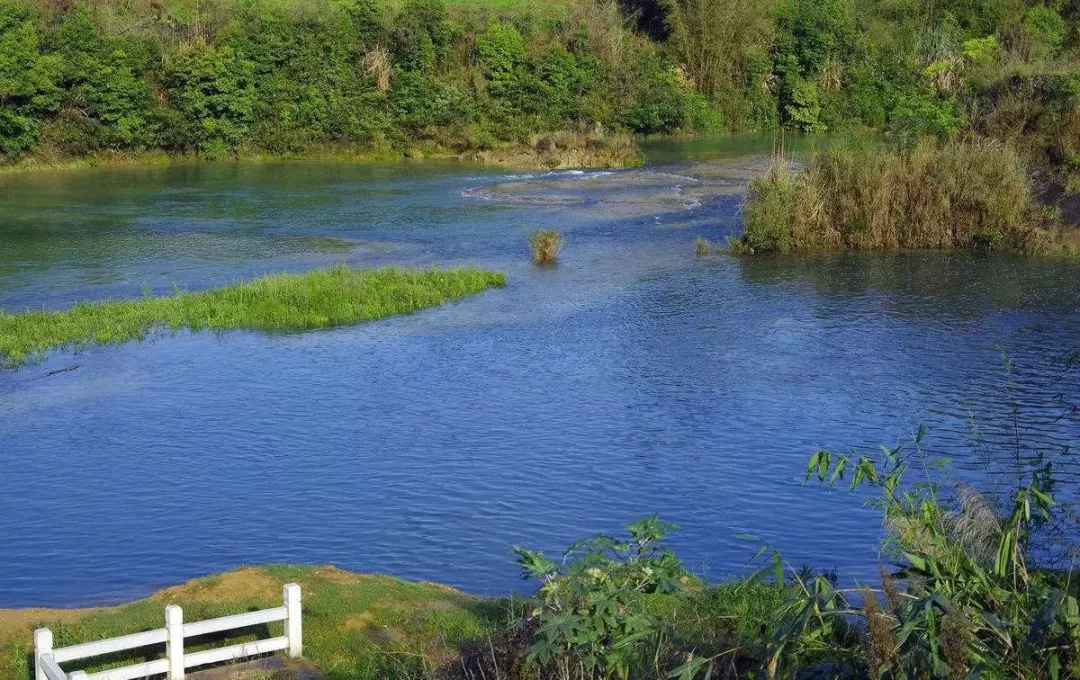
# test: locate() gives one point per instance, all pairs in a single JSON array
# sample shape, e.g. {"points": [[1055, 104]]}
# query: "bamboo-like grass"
{"points": [[320, 298]]}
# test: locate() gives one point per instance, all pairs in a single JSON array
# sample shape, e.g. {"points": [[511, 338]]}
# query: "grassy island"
{"points": [[321, 298]]}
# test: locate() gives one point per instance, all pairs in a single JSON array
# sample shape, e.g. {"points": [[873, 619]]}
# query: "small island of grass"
{"points": [[322, 298]]}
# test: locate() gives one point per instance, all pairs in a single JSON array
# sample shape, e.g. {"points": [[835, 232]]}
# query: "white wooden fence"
{"points": [[47, 660]]}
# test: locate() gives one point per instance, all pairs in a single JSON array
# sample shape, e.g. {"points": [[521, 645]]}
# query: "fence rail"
{"points": [[47, 660]]}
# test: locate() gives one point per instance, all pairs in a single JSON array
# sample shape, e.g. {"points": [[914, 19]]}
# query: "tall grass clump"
{"points": [[965, 599], [702, 246], [951, 196], [321, 298], [545, 246]]}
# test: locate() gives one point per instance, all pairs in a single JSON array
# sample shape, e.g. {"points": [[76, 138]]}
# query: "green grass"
{"points": [[359, 626], [321, 298]]}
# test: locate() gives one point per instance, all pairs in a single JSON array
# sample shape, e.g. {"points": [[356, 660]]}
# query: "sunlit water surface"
{"points": [[632, 378]]}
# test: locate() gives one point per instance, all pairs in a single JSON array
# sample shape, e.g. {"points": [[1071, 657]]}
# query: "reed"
{"points": [[960, 195], [321, 298]]}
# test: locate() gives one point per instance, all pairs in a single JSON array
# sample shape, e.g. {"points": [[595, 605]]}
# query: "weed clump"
{"points": [[958, 195], [545, 246]]}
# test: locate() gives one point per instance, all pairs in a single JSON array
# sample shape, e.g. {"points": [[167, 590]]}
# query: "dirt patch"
{"points": [[332, 573], [241, 584], [384, 635], [361, 621]]}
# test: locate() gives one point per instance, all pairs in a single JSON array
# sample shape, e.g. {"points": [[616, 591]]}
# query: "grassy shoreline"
{"points": [[321, 298], [355, 625]]}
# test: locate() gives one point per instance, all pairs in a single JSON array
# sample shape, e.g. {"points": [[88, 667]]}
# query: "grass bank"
{"points": [[321, 298], [362, 625], [951, 196]]}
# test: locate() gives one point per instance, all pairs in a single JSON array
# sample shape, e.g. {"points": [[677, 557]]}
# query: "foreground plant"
{"points": [[964, 601], [321, 298], [589, 615]]}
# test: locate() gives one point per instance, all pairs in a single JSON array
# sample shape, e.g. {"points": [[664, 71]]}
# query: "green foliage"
{"points": [[318, 299], [965, 600], [501, 49], [589, 612], [213, 88], [915, 117], [224, 77], [662, 103], [1044, 31], [28, 80], [422, 34], [982, 51]]}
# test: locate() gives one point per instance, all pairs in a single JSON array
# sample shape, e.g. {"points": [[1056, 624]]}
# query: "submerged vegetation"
{"points": [[321, 298], [955, 195], [545, 246]]}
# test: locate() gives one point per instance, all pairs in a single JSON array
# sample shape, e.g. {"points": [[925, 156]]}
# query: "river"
{"points": [[631, 378]]}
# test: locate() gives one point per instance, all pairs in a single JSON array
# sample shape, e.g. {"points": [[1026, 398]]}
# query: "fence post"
{"points": [[293, 627], [42, 645], [174, 641], [77, 675]]}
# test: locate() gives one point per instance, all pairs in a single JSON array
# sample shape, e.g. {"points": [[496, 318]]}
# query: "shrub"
{"points": [[545, 246], [1043, 32], [500, 49], [970, 194], [214, 89], [915, 117], [589, 615]]}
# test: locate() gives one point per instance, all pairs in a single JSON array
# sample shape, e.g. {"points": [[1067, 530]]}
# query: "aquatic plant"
{"points": [[702, 246], [320, 298], [957, 195], [545, 246]]}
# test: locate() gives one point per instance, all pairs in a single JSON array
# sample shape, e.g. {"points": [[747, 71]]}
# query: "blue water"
{"points": [[632, 378]]}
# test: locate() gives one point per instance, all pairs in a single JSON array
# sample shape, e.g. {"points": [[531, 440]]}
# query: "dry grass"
{"points": [[960, 195], [378, 63], [545, 246]]}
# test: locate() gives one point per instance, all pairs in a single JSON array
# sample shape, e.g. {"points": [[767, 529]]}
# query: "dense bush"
{"points": [[222, 78]]}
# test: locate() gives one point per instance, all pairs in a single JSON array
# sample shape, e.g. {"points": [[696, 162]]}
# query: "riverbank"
{"points": [[320, 298], [361, 625], [563, 150]]}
